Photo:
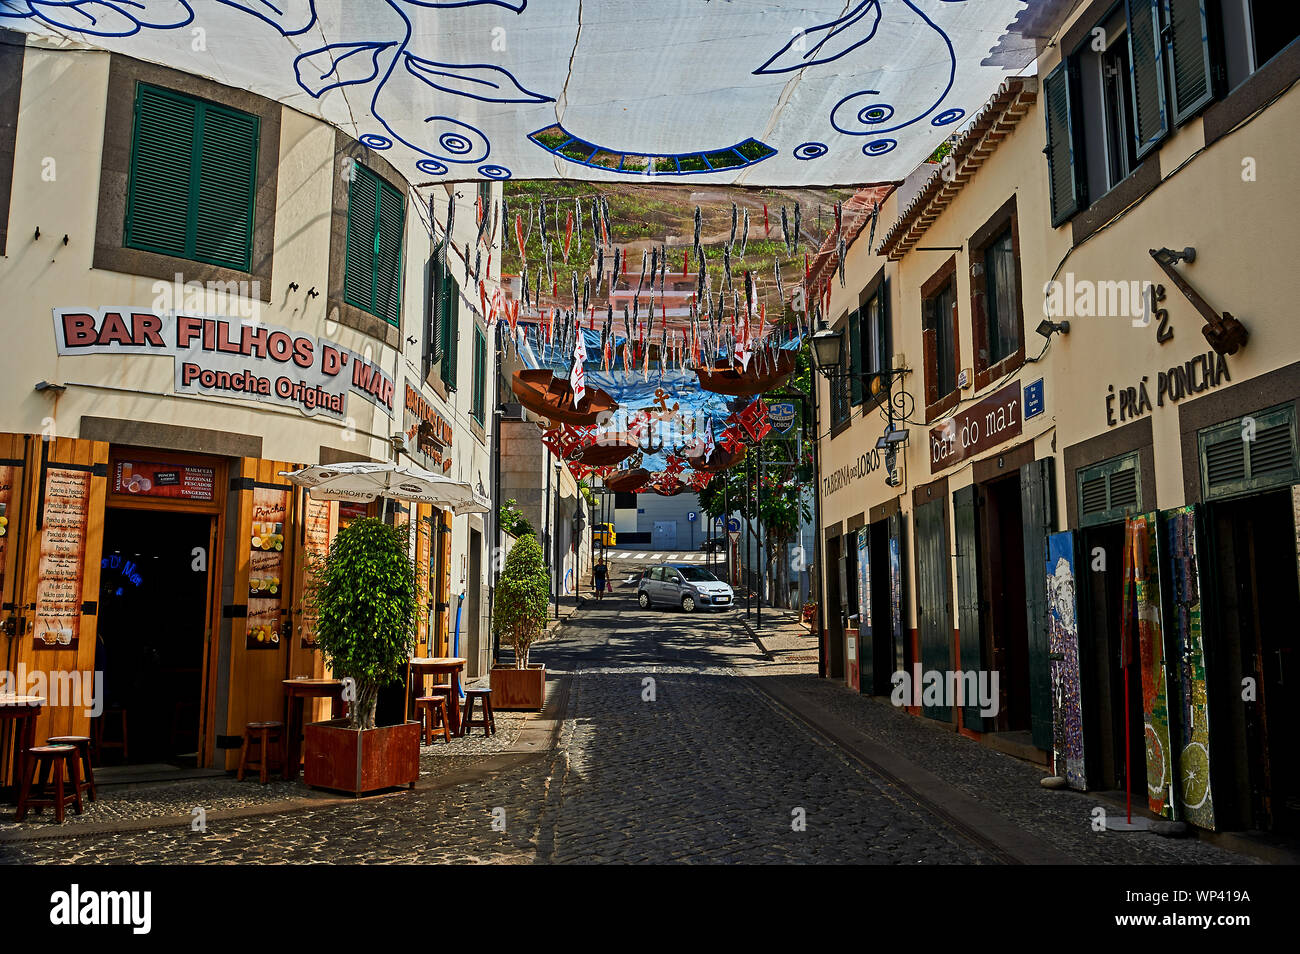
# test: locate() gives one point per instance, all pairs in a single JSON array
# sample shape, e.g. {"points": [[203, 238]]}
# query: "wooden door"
{"points": [[965, 515], [933, 607], [63, 532], [1038, 519]]}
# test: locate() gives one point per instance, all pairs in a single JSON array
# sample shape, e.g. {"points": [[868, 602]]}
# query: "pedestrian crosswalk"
{"points": [[662, 556]]}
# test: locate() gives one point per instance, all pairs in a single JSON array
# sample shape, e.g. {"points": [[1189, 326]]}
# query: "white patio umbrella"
{"points": [[365, 480]]}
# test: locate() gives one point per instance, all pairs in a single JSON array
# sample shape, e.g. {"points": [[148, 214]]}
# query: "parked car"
{"points": [[714, 545], [679, 584], [603, 535]]}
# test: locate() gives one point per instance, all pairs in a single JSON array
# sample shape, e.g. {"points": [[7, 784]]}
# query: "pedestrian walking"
{"points": [[600, 574]]}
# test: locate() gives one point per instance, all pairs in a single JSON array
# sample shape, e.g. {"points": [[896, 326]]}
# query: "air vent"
{"points": [[1093, 496], [1236, 461], [1272, 452], [1109, 491], [1123, 488], [1225, 461]]}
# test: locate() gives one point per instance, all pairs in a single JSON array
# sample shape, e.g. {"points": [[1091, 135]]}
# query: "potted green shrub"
{"points": [[519, 616], [365, 600]]}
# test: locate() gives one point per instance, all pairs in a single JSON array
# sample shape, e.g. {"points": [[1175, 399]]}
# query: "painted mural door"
{"points": [[1145, 648], [1063, 650], [965, 506], [1181, 536], [896, 588], [932, 608], [866, 646]]}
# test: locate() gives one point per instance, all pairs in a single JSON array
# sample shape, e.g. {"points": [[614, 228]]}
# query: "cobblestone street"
{"points": [[669, 750]]}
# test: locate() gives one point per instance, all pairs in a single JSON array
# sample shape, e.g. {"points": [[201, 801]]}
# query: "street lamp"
{"points": [[827, 348]]}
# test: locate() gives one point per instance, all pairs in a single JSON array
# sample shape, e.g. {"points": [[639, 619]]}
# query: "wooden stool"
{"points": [[467, 722], [52, 759], [426, 709], [119, 713], [263, 735], [82, 744]]}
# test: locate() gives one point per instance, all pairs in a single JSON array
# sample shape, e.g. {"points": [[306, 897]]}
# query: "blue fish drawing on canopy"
{"points": [[762, 92]]}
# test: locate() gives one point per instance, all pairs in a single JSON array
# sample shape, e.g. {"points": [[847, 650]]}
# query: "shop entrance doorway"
{"points": [[1255, 558], [1004, 601], [1101, 611], [153, 611]]}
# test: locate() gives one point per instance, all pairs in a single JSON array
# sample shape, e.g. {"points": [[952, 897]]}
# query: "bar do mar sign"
{"points": [[224, 357], [990, 422]]}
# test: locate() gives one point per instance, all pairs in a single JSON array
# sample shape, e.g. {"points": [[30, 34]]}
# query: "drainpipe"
{"points": [[820, 565]]}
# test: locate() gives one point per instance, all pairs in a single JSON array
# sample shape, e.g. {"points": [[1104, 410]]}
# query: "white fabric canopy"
{"points": [[755, 92], [366, 481]]}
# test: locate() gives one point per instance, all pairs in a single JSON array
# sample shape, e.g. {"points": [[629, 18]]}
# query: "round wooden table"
{"points": [[296, 692], [23, 710], [422, 666]]}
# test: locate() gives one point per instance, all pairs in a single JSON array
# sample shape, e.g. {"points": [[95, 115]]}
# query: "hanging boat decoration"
{"points": [[551, 395], [667, 485], [611, 447], [721, 459], [727, 377], [627, 481]]}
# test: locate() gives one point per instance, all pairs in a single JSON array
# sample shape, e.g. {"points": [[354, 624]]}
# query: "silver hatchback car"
{"points": [[690, 587]]}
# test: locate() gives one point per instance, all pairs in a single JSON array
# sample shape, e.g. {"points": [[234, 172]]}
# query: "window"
{"points": [[192, 180], [1109, 491], [1232, 463], [479, 405], [449, 330], [997, 319], [372, 276], [872, 342], [1255, 31], [841, 385], [939, 333], [439, 316]]}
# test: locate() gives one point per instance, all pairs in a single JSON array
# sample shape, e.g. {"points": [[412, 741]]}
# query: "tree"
{"points": [[365, 600], [513, 520], [781, 503], [522, 596]]}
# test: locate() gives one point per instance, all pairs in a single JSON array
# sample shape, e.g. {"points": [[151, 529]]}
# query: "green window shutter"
{"points": [[1109, 491], [1146, 75], [193, 179], [1064, 162], [1232, 464], [450, 333], [933, 629], [965, 516], [1191, 69], [363, 221], [853, 339], [480, 373], [162, 157], [227, 183], [433, 330], [388, 254]]}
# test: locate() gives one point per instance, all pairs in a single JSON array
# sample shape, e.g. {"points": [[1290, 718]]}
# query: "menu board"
{"points": [[266, 576], [351, 511], [175, 481], [7, 474], [63, 551], [318, 532]]}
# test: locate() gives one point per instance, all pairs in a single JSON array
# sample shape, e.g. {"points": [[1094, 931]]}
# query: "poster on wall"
{"points": [[266, 574], [1063, 650], [7, 476], [135, 478], [62, 559], [1146, 649], [866, 669], [318, 526]]}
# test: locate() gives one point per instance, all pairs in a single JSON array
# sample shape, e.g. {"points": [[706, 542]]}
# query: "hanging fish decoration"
{"points": [[451, 221], [749, 294], [785, 226], [686, 262], [541, 222], [586, 293], [654, 264], [550, 271], [577, 219], [605, 228], [798, 214], [467, 263], [528, 234], [744, 235], [645, 257], [663, 268], [492, 227], [735, 214], [726, 267], [613, 276], [839, 217], [663, 347], [519, 238], [875, 211], [523, 286], [484, 215], [627, 327], [573, 278], [698, 222], [558, 230], [780, 289], [767, 226], [600, 268], [568, 236], [840, 251]]}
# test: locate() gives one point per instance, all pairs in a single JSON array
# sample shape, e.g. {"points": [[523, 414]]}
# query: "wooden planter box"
{"points": [[519, 688], [359, 761]]}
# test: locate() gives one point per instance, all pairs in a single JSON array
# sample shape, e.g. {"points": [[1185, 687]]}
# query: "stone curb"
{"points": [[538, 736]]}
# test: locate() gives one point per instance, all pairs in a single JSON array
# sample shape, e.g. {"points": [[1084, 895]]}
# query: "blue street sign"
{"points": [[1034, 398], [734, 524], [691, 516]]}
